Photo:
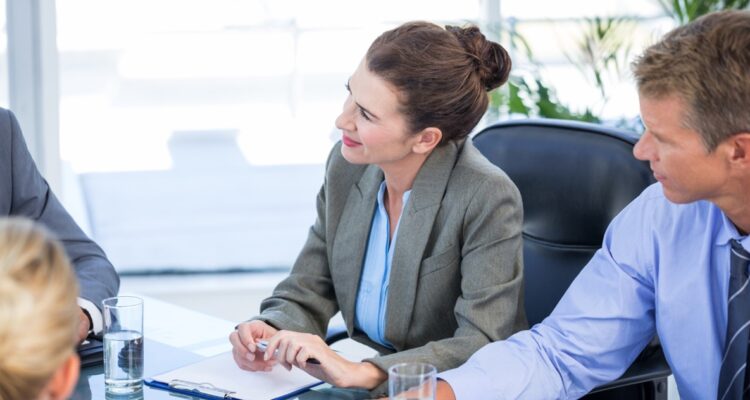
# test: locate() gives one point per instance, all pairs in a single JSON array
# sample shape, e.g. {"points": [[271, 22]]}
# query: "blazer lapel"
{"points": [[413, 233], [351, 240]]}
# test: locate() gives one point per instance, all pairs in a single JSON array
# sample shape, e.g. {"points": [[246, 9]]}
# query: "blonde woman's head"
{"points": [[38, 310]]}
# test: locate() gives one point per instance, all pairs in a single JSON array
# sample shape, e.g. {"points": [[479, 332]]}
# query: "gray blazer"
{"points": [[456, 278], [24, 193]]}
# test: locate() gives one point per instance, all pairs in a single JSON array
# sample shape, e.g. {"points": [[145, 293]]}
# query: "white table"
{"points": [[176, 336]]}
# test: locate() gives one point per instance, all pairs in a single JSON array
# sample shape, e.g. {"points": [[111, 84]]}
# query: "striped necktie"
{"points": [[734, 379]]}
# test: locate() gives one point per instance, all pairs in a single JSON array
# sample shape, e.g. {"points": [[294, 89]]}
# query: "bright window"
{"points": [[4, 102], [197, 130]]}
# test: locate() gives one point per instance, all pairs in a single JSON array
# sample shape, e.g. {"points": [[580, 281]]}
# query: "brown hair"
{"points": [[707, 64], [38, 309], [442, 75]]}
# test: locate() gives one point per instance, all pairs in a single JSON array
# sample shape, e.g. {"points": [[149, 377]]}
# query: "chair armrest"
{"points": [[642, 370], [335, 333]]}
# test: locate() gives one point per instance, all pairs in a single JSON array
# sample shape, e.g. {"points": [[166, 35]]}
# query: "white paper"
{"points": [[222, 372], [184, 329]]}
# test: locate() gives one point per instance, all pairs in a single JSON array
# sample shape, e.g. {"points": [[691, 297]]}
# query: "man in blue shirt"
{"points": [[664, 266]]}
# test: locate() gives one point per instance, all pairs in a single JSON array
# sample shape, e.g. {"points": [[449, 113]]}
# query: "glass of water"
{"points": [[123, 344], [412, 381]]}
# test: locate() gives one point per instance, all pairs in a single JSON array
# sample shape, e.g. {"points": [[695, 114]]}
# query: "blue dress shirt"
{"points": [[663, 268], [369, 315]]}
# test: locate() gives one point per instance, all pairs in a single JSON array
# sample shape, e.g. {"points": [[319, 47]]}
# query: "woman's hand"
{"points": [[296, 349], [244, 349]]}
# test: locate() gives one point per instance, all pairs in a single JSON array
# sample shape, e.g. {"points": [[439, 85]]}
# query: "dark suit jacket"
{"points": [[24, 193], [456, 278]]}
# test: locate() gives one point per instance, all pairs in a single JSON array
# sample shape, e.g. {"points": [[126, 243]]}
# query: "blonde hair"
{"points": [[38, 309], [707, 64]]}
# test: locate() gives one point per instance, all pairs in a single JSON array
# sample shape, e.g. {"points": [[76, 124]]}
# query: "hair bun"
{"points": [[491, 61]]}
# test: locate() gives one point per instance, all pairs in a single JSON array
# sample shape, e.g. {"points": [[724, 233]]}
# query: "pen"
{"points": [[262, 345]]}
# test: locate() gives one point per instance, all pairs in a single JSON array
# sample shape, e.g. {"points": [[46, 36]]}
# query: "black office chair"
{"points": [[574, 178]]}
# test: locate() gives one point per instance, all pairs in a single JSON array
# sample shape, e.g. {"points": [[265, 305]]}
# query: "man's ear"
{"points": [[64, 379], [428, 139], [740, 150]]}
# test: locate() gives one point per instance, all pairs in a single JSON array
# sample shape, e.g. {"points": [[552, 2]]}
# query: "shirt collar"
{"points": [[727, 231], [381, 195]]}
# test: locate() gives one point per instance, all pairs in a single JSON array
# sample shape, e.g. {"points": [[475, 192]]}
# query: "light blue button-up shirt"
{"points": [[369, 316], [662, 268]]}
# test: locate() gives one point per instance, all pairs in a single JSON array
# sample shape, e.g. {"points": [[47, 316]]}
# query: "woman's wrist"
{"points": [[367, 376]]}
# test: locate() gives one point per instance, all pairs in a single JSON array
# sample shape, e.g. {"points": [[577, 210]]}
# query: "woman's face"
{"points": [[373, 130]]}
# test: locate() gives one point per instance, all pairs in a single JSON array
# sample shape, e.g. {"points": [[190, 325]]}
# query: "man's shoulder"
{"points": [[8, 144], [652, 208], [653, 197], [650, 200], [5, 115], [6, 125]]}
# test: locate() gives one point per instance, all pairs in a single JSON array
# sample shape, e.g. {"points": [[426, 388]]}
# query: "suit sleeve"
{"points": [[32, 198], [305, 301], [489, 307]]}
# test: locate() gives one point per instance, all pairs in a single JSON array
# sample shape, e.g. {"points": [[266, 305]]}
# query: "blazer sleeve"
{"points": [[490, 306], [32, 198], [305, 301]]}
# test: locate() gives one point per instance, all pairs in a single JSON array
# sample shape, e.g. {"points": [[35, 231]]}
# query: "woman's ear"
{"points": [[63, 380], [428, 139]]}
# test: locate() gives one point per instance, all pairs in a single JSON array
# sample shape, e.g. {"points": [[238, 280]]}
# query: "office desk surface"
{"points": [[175, 336]]}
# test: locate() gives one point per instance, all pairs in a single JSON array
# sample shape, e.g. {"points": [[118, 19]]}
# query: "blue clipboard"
{"points": [[218, 377], [197, 390], [208, 391]]}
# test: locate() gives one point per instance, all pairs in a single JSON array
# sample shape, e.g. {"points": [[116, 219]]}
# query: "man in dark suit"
{"points": [[25, 193]]}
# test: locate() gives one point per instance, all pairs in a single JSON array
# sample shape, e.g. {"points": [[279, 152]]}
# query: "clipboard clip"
{"points": [[202, 387]]}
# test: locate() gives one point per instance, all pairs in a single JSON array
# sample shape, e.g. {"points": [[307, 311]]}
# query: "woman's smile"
{"points": [[349, 142]]}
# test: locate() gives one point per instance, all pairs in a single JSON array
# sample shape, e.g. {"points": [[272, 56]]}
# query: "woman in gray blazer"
{"points": [[418, 237]]}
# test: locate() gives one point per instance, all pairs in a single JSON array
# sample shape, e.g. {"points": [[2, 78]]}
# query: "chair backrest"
{"points": [[574, 178]]}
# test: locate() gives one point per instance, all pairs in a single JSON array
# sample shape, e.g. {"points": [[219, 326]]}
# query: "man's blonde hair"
{"points": [[706, 63], [38, 310]]}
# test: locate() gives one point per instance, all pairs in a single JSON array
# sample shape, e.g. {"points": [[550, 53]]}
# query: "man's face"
{"points": [[677, 155]]}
